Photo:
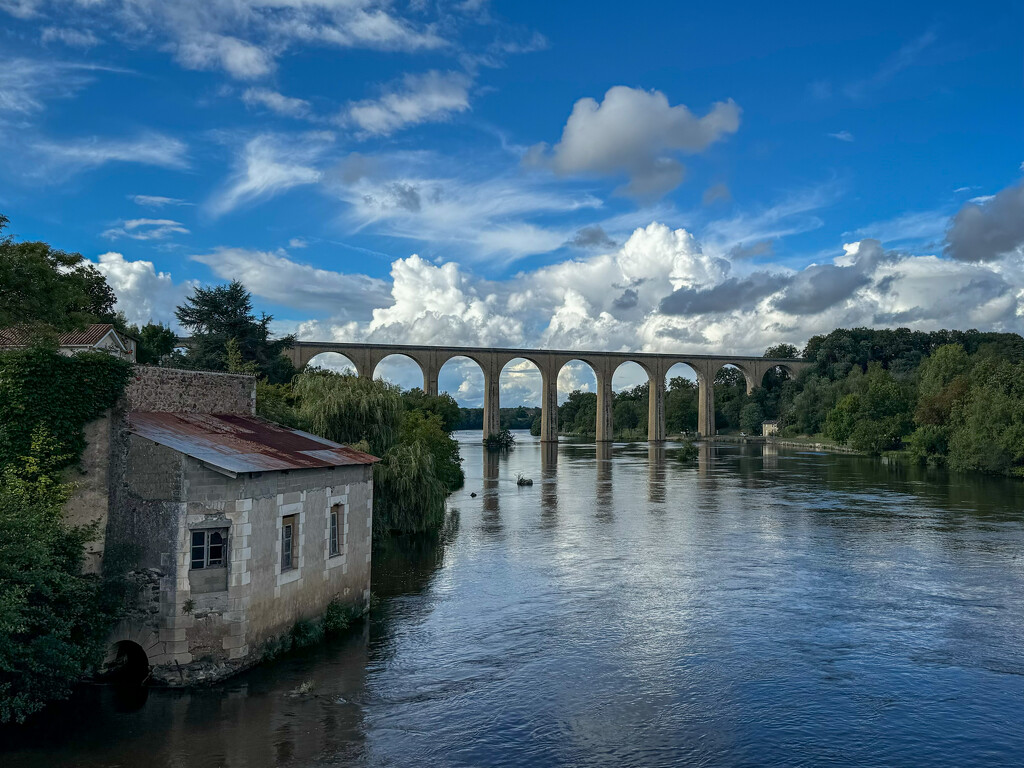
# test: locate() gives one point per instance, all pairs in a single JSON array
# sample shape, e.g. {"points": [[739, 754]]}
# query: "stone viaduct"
{"points": [[430, 359]]}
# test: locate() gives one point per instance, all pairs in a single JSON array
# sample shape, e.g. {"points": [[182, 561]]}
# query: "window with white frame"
{"points": [[289, 542], [336, 536]]}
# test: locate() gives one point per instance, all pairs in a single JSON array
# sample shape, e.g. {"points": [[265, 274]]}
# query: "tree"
{"points": [[782, 351], [681, 405], [348, 409], [42, 286], [443, 405], [215, 315], [751, 417], [155, 342]]}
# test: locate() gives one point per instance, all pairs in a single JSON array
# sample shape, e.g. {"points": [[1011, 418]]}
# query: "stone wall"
{"points": [[90, 500], [179, 391]]}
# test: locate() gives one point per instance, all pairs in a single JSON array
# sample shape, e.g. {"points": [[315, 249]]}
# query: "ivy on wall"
{"points": [[42, 389]]}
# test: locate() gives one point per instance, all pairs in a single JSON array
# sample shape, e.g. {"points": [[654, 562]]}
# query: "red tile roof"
{"points": [[20, 335], [242, 443]]}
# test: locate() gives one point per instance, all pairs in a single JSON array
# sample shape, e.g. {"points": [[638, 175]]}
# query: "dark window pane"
{"points": [[216, 556], [334, 531], [198, 549]]}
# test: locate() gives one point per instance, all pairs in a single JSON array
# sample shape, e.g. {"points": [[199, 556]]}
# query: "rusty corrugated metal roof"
{"points": [[242, 443]]}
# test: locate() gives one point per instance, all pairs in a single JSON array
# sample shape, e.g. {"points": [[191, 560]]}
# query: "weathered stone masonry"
{"points": [[204, 624]]}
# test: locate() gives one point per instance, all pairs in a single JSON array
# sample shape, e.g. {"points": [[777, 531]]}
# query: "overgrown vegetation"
{"points": [[502, 440], [53, 618], [309, 632]]}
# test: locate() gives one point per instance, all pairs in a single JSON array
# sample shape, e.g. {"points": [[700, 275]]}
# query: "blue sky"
{"points": [[539, 158]]}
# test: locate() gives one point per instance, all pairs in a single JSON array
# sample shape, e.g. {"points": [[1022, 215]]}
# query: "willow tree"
{"points": [[348, 409], [419, 461]]}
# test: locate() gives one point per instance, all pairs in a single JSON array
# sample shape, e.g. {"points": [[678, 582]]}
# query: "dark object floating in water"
{"points": [[520, 480], [473, 494]]}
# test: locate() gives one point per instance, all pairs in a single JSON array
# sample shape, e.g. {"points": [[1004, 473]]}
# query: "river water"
{"points": [[757, 607]]}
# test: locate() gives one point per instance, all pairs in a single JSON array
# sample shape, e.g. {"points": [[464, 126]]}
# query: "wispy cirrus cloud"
{"points": [[151, 148], [242, 38], [276, 102], [146, 229], [429, 97], [268, 165]]}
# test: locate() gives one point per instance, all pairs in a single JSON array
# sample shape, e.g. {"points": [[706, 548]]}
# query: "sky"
{"points": [[656, 176]]}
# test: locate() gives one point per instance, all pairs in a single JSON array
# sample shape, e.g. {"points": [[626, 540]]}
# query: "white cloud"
{"points": [[147, 229], [74, 38], [274, 276], [637, 134], [26, 84], [143, 294], [243, 38], [842, 136], [156, 201], [238, 58], [429, 97], [479, 215], [276, 102], [269, 165], [147, 149], [913, 227]]}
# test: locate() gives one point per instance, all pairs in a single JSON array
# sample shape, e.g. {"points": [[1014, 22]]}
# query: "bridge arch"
{"points": [[571, 375], [332, 361], [462, 377], [401, 369], [522, 378], [630, 411], [682, 398]]}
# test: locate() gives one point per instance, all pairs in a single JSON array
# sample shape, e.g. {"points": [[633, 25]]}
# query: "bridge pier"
{"points": [[549, 406], [656, 406], [604, 403], [492, 399], [706, 401]]}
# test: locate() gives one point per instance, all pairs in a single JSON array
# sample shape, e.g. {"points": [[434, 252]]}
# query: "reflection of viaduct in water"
{"points": [[430, 359]]}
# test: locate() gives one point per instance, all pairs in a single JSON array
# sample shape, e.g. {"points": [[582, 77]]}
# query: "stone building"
{"points": [[770, 427], [230, 527]]}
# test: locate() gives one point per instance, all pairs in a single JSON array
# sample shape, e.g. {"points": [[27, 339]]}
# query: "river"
{"points": [[760, 607]]}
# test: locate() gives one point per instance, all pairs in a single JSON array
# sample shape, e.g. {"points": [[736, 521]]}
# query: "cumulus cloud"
{"points": [[989, 229], [732, 293], [635, 133], [660, 291], [146, 229], [269, 165], [143, 294], [276, 102], [593, 236], [429, 97]]}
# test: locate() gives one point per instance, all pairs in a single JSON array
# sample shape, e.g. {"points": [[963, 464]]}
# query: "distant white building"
{"points": [[770, 427], [98, 337]]}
